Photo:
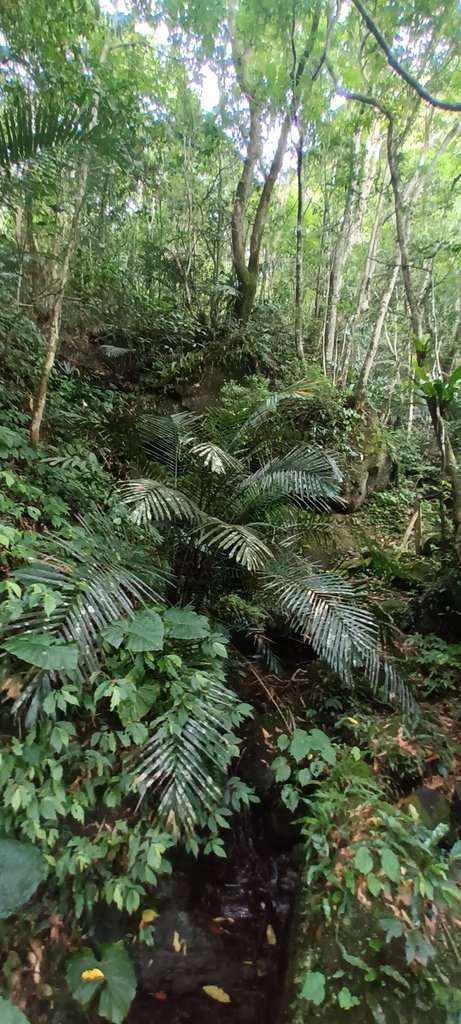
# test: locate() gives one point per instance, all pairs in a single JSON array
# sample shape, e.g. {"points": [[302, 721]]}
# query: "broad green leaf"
{"points": [[304, 743], [39, 650], [117, 986], [354, 961], [120, 987], [185, 624], [21, 871], [282, 769], [390, 864], [346, 1000], [81, 989], [392, 927], [10, 1014], [300, 745], [363, 861], [314, 988], [144, 632], [374, 885], [115, 633]]}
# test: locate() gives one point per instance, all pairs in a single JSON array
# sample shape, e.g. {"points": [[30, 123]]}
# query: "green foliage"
{"points": [[116, 984], [241, 488], [11, 1014], [21, 871], [364, 857], [444, 389], [437, 662], [166, 723], [28, 128]]}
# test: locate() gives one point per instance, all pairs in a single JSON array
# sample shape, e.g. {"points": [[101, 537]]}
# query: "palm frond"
{"points": [[215, 458], [29, 125], [305, 474], [187, 765], [238, 542], [92, 588], [323, 608], [151, 500], [303, 391], [162, 437]]}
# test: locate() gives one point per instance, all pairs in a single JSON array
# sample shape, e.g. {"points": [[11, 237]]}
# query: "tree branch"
{"points": [[401, 71]]}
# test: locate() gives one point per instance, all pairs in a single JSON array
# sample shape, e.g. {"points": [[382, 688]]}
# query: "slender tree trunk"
{"points": [[63, 274], [361, 389], [436, 408], [247, 271], [321, 284], [362, 175], [339, 259], [370, 260], [299, 281]]}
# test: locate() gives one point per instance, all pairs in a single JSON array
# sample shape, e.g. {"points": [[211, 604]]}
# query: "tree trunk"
{"points": [[361, 389], [63, 274], [339, 259], [299, 283], [247, 272], [435, 405]]}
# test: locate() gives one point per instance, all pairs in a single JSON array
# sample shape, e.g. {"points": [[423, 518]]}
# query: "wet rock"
{"points": [[433, 807], [456, 806]]}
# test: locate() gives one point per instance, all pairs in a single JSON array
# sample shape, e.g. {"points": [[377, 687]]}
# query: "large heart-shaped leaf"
{"points": [[10, 1014], [38, 649], [144, 632], [21, 871], [83, 989], [120, 989], [185, 624], [113, 976]]}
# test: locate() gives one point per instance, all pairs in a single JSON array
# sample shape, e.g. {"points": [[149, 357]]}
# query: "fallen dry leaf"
{"points": [[271, 936], [214, 992], [12, 687], [35, 957], [362, 898]]}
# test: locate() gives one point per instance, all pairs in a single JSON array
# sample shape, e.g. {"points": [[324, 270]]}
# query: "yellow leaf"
{"points": [[93, 975], [353, 721], [148, 916], [270, 935], [177, 944], [216, 993]]}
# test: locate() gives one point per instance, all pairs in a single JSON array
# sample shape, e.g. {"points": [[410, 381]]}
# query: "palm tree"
{"points": [[243, 509]]}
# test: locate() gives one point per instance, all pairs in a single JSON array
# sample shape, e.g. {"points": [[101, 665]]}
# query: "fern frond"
{"points": [[93, 588]]}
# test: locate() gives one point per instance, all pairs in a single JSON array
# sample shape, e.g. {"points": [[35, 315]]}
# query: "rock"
{"points": [[433, 807], [456, 806], [370, 468]]}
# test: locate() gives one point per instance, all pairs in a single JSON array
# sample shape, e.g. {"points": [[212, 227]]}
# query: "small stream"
{"points": [[223, 923]]}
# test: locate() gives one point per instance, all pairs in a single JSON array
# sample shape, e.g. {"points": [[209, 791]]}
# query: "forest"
{"points": [[230, 512]]}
